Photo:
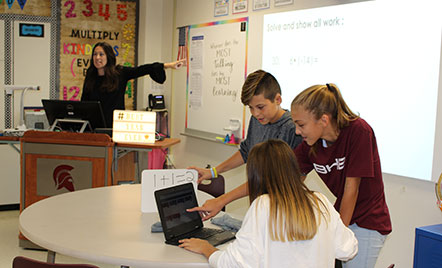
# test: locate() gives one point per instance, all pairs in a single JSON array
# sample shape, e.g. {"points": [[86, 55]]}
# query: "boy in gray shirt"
{"points": [[262, 93], [282, 129]]}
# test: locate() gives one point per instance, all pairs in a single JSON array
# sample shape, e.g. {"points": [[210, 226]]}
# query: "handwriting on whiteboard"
{"points": [[156, 179], [172, 178]]}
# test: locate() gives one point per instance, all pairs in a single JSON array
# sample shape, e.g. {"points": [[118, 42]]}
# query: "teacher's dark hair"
{"points": [[111, 71]]}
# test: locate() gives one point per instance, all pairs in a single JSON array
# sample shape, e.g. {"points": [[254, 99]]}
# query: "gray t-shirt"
{"points": [[283, 129]]}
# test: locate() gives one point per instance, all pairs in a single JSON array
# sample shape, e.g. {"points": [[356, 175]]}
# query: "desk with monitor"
{"points": [[74, 158], [74, 116], [88, 116]]}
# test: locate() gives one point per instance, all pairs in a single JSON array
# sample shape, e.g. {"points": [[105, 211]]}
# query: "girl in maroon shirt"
{"points": [[342, 149]]}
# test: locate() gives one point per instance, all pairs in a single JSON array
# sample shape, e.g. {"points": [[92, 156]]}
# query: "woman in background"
{"points": [[106, 82]]}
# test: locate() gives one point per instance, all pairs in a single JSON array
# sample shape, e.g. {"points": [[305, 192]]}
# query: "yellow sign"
{"points": [[134, 126]]}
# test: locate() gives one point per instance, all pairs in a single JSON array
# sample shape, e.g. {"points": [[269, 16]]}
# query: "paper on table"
{"points": [[315, 183]]}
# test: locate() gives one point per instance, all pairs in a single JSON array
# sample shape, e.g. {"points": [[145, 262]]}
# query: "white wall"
{"points": [[9, 158], [412, 203], [30, 66], [155, 44], [10, 175]]}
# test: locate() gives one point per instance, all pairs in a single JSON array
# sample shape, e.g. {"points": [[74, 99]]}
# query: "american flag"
{"points": [[182, 43]]}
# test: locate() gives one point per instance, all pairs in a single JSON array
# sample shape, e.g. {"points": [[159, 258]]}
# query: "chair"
{"points": [[214, 187], [23, 262]]}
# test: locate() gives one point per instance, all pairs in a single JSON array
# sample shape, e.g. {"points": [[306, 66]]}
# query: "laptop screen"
{"points": [[172, 204]]}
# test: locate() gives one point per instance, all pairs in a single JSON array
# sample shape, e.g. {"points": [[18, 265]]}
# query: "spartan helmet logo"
{"points": [[62, 177]]}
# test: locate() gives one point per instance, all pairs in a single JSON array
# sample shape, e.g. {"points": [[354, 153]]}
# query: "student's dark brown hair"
{"points": [[257, 83]]}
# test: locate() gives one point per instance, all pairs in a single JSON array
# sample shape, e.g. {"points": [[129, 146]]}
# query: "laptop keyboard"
{"points": [[203, 233]]}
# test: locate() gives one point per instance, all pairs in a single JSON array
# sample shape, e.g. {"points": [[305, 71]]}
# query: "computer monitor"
{"points": [[73, 115]]}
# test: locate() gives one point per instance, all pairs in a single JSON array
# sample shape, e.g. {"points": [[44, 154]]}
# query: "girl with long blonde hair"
{"points": [[287, 225]]}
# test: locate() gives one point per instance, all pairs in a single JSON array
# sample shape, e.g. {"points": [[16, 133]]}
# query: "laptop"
{"points": [[178, 224]]}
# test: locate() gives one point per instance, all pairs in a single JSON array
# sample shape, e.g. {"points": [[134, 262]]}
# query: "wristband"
{"points": [[214, 173]]}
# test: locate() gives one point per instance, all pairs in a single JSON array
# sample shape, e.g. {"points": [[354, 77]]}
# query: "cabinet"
{"points": [[428, 247]]}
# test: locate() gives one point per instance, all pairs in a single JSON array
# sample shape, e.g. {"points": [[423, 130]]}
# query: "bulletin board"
{"points": [[217, 68], [84, 23]]}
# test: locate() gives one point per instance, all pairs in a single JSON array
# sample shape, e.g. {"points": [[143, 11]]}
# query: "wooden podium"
{"points": [[59, 162]]}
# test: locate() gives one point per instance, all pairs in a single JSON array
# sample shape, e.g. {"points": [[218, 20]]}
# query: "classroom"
{"points": [[199, 123]]}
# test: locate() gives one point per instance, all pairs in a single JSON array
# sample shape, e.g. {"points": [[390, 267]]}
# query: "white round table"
{"points": [[104, 225]]}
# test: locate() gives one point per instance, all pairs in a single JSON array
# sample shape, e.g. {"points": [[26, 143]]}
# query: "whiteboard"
{"points": [[157, 179], [217, 68]]}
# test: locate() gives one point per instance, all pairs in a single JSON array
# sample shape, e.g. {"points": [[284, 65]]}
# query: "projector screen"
{"points": [[384, 56]]}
